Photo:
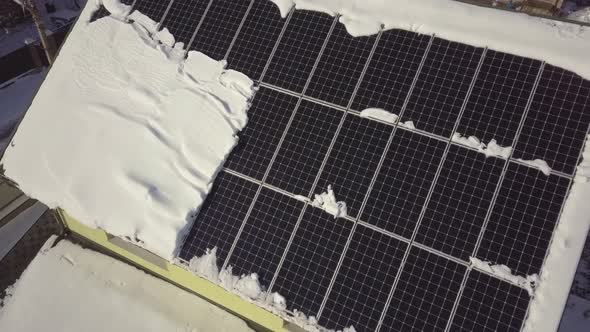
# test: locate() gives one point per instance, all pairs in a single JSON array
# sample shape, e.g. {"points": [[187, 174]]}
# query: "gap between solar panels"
{"points": [[421, 203]]}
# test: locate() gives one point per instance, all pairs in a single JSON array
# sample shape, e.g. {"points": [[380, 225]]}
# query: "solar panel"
{"points": [[420, 205]]}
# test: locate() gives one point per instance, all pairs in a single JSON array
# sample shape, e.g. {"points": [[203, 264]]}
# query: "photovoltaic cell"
{"points": [[499, 97], [153, 9], [298, 50], [183, 17], [267, 120], [359, 146], [340, 66], [265, 236], [306, 143], [364, 281], [403, 182], [425, 294], [220, 217], [442, 86], [523, 219], [490, 305], [391, 71], [219, 27], [256, 39], [460, 201], [556, 125], [312, 260]]}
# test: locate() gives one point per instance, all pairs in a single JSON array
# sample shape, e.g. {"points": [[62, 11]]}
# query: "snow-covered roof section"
{"points": [[561, 44], [126, 135], [92, 292]]}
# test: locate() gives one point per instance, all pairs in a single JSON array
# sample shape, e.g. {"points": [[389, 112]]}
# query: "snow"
{"points": [[70, 289], [503, 272], [491, 149], [14, 230], [582, 15], [379, 114], [504, 31], [327, 202], [15, 97], [137, 134], [539, 164], [561, 262], [576, 315]]}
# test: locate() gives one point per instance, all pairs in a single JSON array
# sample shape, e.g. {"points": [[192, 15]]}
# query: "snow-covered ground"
{"points": [[70, 289]]}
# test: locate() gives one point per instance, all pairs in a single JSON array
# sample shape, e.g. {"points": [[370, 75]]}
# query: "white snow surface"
{"points": [[582, 15], [539, 164], [70, 289], [565, 249], [327, 202], [510, 32], [379, 114], [132, 134], [502, 271], [490, 149]]}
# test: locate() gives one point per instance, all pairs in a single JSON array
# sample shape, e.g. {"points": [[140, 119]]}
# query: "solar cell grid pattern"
{"points": [[256, 39], [219, 27], [402, 185], [183, 18], [311, 260], [424, 297], [359, 145], [267, 120], [556, 125], [340, 66], [442, 86], [265, 235], [499, 97], [298, 50], [426, 211], [220, 217], [362, 286], [523, 219], [460, 201], [488, 304]]}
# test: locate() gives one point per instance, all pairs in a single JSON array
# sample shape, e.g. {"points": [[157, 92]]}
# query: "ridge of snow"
{"points": [[327, 202], [379, 114], [248, 287], [529, 282], [504, 31], [582, 15], [491, 149], [133, 134], [539, 164], [564, 251]]}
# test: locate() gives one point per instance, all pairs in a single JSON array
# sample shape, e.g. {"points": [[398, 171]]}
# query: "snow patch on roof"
{"points": [[539, 164], [491, 149], [327, 202], [379, 114], [509, 32], [133, 134], [503, 272]]}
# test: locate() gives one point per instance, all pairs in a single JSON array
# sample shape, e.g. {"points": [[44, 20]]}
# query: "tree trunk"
{"points": [[48, 46]]}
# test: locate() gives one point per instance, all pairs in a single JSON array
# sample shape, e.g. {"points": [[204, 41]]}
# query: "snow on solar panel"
{"points": [[419, 204]]}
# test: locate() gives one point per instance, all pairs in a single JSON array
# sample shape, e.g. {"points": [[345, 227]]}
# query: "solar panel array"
{"points": [[419, 204]]}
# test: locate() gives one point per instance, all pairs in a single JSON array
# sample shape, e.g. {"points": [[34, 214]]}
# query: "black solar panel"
{"points": [[183, 18], [311, 260], [298, 50], [419, 205], [362, 285], [499, 97], [265, 235], [488, 304], [219, 27], [220, 217]]}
